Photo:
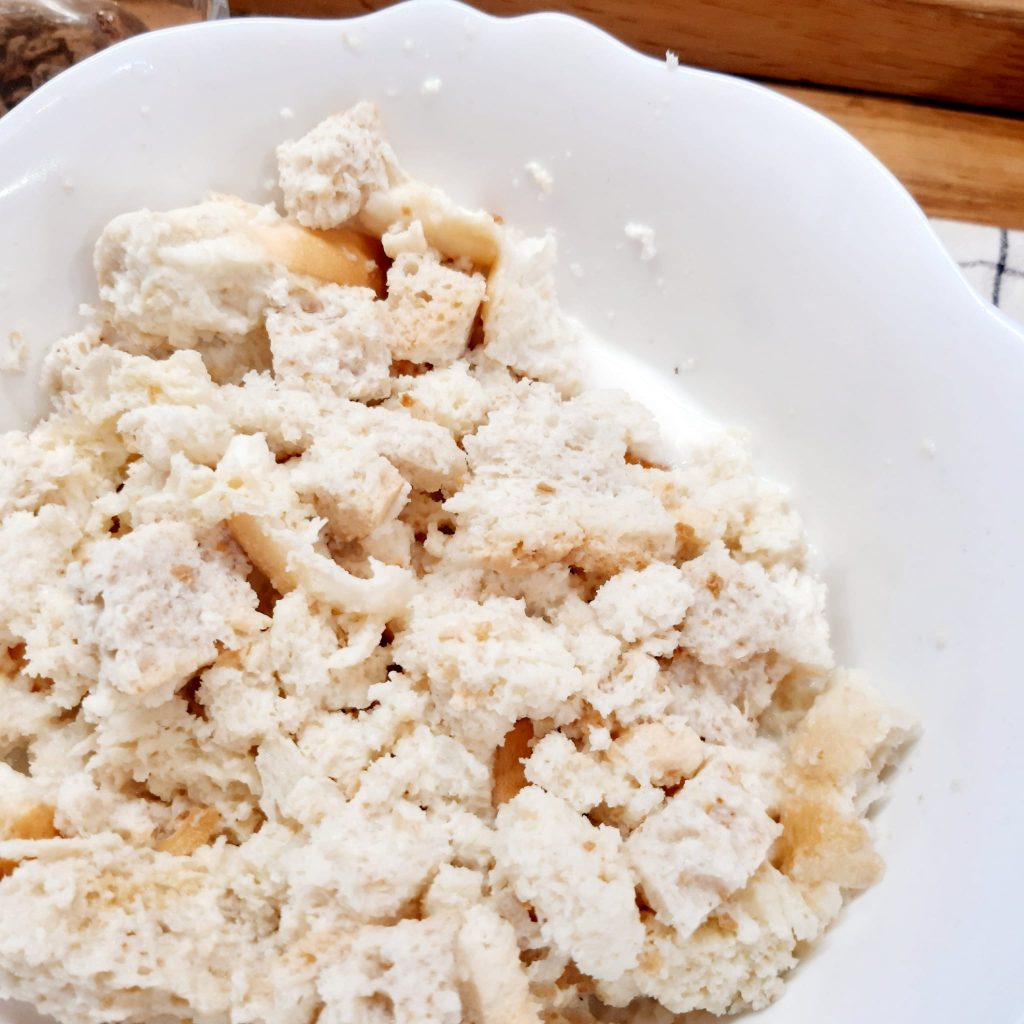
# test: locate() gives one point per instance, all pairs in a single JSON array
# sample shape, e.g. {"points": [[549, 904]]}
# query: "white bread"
{"points": [[700, 847], [645, 606], [732, 963], [357, 666], [454, 231], [575, 877], [550, 484], [328, 174], [524, 327], [454, 396], [432, 308], [351, 486], [495, 989], [469, 653], [331, 338], [155, 605], [740, 609], [407, 970], [182, 277]]}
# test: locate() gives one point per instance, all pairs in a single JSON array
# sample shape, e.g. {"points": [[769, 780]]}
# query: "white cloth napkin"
{"points": [[992, 260]]}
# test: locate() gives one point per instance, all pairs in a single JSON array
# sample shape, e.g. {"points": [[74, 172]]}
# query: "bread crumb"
{"points": [[287, 114], [927, 448], [541, 176], [353, 41], [431, 86], [643, 235], [14, 355], [672, 58]]}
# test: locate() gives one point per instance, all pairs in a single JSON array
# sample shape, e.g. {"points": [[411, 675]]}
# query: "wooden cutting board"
{"points": [[898, 74]]}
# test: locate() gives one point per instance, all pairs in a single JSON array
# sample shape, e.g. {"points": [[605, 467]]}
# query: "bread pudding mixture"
{"points": [[360, 666]]}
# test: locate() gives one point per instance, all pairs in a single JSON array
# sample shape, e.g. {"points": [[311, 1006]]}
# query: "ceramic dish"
{"points": [[797, 291]]}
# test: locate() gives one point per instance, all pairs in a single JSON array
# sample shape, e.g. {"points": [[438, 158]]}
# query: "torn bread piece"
{"points": [[331, 339], [550, 483], [495, 988], [575, 877], [197, 932], [733, 962], [432, 308], [154, 606], [700, 847], [468, 654], [836, 757], [182, 278], [350, 485], [454, 231], [524, 327], [328, 175]]}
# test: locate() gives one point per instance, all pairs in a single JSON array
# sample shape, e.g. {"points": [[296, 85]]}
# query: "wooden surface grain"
{"points": [[957, 164], [162, 13], [968, 51], [960, 51], [962, 164]]}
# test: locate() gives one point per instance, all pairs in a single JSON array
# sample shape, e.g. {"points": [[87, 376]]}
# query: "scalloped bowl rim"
{"points": [[855, 319]]}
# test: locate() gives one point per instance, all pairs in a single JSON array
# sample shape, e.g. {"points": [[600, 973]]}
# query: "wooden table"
{"points": [[934, 87]]}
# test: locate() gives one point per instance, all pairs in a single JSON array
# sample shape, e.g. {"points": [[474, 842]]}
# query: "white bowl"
{"points": [[793, 272]]}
